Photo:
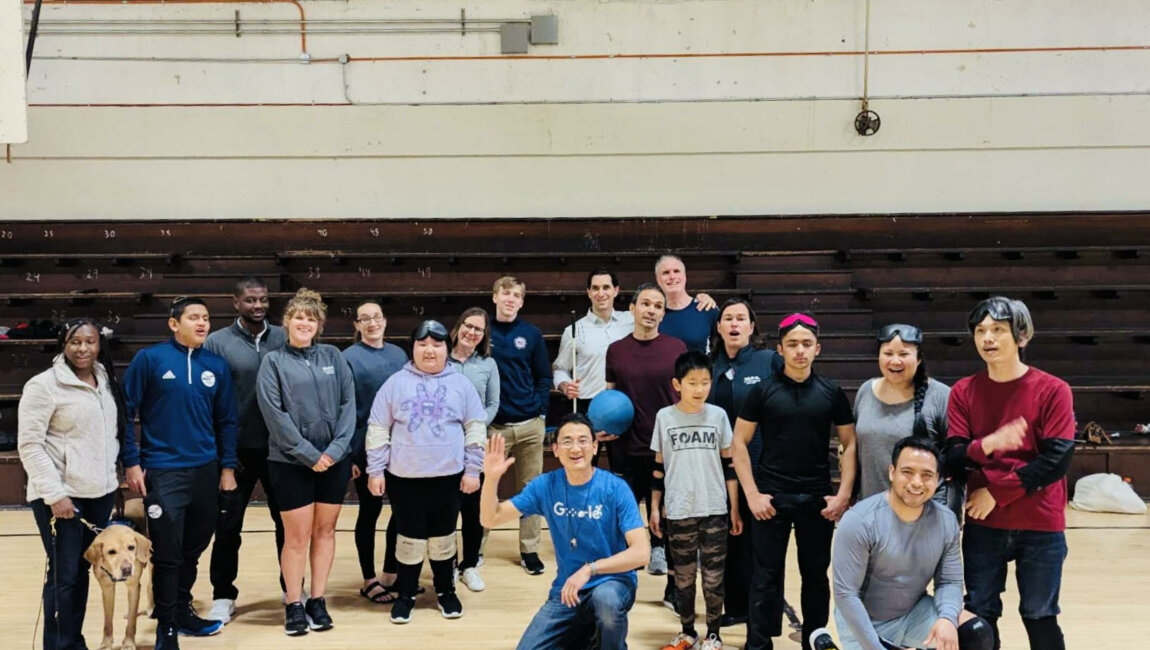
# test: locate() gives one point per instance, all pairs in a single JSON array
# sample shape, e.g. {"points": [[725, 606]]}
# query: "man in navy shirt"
{"points": [[598, 535], [524, 395], [187, 455], [691, 320]]}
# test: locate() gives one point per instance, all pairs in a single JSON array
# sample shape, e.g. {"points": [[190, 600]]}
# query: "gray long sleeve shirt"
{"points": [[244, 351], [882, 565]]}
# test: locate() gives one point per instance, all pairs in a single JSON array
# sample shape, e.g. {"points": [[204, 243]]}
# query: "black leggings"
{"points": [[370, 507], [471, 529], [425, 511]]}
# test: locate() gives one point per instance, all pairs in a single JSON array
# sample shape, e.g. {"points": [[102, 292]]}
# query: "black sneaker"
{"points": [[317, 617], [449, 605], [671, 599], [295, 620], [401, 610], [531, 563], [190, 624], [167, 638]]}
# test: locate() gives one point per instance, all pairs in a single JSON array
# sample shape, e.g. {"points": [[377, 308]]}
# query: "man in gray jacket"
{"points": [[243, 345]]}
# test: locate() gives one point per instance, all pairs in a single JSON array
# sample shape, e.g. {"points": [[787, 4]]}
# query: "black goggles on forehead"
{"points": [[997, 309], [432, 328], [908, 333]]}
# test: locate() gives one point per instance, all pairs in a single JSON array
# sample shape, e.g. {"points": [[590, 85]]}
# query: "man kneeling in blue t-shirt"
{"points": [[597, 533]]}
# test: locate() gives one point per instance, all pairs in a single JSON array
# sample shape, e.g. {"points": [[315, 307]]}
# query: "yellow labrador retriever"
{"points": [[119, 554]]}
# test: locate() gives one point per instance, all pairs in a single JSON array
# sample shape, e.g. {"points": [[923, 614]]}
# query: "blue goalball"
{"points": [[611, 411]]}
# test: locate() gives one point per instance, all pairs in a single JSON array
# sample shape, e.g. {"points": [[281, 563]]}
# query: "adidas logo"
{"points": [[169, 375]]}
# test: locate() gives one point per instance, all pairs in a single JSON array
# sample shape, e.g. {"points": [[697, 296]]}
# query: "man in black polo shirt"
{"points": [[794, 409]]}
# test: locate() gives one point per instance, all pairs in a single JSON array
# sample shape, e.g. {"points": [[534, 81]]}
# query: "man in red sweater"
{"points": [[1012, 434]]}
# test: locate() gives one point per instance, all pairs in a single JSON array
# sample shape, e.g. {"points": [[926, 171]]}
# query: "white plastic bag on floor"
{"points": [[1107, 493]]}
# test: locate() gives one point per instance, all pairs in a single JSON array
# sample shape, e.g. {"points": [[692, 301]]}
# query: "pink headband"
{"points": [[796, 319]]}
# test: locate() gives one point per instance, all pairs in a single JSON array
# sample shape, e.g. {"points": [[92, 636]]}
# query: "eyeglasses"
{"points": [[473, 328], [794, 320], [432, 328], [908, 333], [570, 444], [364, 320]]}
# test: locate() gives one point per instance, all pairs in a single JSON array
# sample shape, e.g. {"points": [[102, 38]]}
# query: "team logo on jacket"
{"points": [[209, 378], [329, 370], [750, 381], [520, 343]]}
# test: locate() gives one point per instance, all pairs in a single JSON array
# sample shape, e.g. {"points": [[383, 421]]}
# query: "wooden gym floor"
{"points": [[1104, 590]]}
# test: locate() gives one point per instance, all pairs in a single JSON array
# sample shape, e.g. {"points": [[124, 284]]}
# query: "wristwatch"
{"points": [[594, 571]]}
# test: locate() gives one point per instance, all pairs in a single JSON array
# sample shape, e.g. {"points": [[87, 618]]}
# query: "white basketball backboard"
{"points": [[13, 101]]}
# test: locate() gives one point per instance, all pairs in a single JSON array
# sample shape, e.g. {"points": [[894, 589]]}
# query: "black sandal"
{"points": [[377, 593]]}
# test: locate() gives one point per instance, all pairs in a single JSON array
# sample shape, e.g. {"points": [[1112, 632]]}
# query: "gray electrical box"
{"points": [[513, 37], [545, 30]]}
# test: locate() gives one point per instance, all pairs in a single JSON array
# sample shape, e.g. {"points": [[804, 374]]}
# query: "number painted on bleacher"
{"points": [[6, 234], [48, 234], [418, 309], [113, 318], [165, 232], [59, 314], [374, 232], [313, 272], [31, 277], [109, 234], [347, 312], [145, 273], [424, 271], [92, 274], [365, 272], [322, 232], [427, 232]]}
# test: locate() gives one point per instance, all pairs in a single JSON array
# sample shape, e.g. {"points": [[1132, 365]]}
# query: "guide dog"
{"points": [[119, 554]]}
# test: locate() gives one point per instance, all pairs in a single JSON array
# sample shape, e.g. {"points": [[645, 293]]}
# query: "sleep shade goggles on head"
{"points": [[432, 328], [795, 320], [908, 333]]}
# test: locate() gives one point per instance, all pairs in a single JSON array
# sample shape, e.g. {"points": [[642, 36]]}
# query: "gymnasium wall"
{"points": [[184, 110]]}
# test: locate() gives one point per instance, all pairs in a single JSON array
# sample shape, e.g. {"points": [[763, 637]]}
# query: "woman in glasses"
{"points": [[471, 355], [307, 396], [903, 401], [372, 360], [741, 362], [71, 423], [425, 440]]}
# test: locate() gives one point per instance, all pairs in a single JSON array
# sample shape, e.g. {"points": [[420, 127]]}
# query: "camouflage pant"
{"points": [[692, 541]]}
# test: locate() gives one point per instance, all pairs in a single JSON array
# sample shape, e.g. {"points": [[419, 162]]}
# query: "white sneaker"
{"points": [[480, 562], [472, 580], [658, 564], [712, 642], [223, 609]]}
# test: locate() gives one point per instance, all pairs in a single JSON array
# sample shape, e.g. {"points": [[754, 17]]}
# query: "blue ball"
{"points": [[611, 411]]}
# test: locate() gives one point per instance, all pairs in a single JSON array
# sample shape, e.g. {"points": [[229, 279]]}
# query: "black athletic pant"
{"points": [[737, 577], [182, 507], [370, 507], [813, 534], [470, 528], [253, 468], [424, 509]]}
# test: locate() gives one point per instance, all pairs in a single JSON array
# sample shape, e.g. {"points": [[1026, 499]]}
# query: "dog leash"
{"points": [[55, 560]]}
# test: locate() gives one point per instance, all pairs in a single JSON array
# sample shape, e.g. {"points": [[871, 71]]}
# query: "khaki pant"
{"points": [[525, 443]]}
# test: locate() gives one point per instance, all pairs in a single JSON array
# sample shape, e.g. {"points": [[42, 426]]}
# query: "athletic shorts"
{"points": [[296, 486]]}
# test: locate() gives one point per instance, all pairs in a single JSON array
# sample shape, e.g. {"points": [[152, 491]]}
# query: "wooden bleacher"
{"points": [[1086, 278]]}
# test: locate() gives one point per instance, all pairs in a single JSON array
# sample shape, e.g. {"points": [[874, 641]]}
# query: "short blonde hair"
{"points": [[508, 282], [309, 303]]}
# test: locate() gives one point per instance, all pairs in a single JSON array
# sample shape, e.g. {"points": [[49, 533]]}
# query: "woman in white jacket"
{"points": [[70, 426]]}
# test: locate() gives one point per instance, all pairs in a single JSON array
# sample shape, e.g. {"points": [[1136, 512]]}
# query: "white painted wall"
{"points": [[645, 108], [13, 110]]}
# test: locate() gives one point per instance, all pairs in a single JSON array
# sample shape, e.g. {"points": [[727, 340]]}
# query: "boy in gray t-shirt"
{"points": [[692, 445]]}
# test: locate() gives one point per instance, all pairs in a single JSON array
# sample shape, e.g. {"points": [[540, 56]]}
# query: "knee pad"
{"points": [[975, 634], [409, 551], [441, 548]]}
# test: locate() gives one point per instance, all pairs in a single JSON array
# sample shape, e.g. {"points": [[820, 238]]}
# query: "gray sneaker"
{"points": [[658, 564]]}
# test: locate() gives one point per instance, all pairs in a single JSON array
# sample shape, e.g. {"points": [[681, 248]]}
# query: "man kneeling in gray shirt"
{"points": [[888, 548]]}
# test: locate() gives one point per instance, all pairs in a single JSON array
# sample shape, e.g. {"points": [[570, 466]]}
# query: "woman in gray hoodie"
{"points": [[307, 396], [71, 422]]}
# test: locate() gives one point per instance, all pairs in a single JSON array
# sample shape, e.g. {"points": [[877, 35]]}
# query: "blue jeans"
{"points": [[558, 627], [66, 588], [1037, 556]]}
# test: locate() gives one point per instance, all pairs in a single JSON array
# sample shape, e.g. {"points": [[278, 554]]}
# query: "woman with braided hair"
{"points": [[72, 420], [904, 401]]}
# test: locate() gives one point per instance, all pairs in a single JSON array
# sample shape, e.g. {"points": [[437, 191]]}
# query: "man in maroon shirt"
{"points": [[1012, 433], [642, 366]]}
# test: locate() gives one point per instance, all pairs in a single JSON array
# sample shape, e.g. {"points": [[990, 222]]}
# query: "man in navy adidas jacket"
{"points": [[187, 454], [524, 395]]}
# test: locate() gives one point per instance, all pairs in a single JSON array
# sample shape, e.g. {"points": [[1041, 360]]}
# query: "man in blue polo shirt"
{"points": [[186, 456], [691, 320], [598, 535]]}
